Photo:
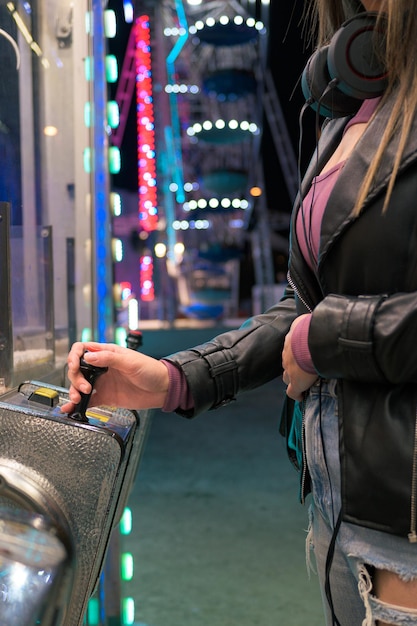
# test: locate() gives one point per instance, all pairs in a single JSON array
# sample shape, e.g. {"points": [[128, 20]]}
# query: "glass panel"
{"points": [[32, 563], [54, 174], [31, 298]]}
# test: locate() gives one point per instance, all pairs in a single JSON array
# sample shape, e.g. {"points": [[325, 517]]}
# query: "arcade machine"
{"points": [[64, 484]]}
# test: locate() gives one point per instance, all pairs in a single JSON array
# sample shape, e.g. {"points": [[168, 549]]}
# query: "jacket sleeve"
{"points": [[366, 338], [238, 360]]}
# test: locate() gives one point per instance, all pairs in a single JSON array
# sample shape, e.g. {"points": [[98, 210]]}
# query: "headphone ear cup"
{"points": [[314, 83], [352, 59]]}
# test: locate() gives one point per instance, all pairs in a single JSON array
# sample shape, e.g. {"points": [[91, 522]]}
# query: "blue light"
{"points": [[102, 279], [176, 151], [102, 291], [128, 11]]}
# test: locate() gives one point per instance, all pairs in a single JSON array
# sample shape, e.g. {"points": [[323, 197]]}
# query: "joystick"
{"points": [[134, 340], [90, 373]]}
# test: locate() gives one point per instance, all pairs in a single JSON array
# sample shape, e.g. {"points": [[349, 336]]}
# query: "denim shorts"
{"points": [[348, 587]]}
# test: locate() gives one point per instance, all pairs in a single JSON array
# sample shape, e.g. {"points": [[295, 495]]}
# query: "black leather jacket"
{"points": [[363, 332]]}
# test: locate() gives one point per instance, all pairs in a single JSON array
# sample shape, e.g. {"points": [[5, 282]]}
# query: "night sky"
{"points": [[287, 56], [288, 53]]}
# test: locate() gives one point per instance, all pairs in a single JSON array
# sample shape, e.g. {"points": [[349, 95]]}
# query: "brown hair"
{"points": [[401, 62]]}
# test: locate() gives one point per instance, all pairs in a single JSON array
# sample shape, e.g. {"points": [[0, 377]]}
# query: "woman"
{"points": [[346, 329]]}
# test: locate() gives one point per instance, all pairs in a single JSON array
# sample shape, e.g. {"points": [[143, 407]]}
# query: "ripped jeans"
{"points": [[357, 550]]}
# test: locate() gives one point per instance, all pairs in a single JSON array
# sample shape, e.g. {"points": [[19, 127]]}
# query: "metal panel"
{"points": [[6, 334], [77, 474], [46, 234]]}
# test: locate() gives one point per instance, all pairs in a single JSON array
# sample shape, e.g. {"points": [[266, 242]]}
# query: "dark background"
{"points": [[287, 55]]}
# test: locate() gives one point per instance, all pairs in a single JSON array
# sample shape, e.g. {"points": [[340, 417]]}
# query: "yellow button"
{"points": [[45, 396]]}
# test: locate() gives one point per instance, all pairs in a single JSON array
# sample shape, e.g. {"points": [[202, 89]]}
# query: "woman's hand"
{"points": [[296, 379], [133, 380]]}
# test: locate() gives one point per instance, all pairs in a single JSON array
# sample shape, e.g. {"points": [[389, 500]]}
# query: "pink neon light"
{"points": [[148, 212], [125, 89], [147, 293], [147, 185]]}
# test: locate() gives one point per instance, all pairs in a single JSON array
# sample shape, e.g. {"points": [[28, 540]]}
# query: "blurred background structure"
{"points": [[225, 123], [150, 163]]}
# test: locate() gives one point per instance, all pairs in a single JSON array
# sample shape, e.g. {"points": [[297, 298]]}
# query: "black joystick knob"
{"points": [[90, 373], [134, 340]]}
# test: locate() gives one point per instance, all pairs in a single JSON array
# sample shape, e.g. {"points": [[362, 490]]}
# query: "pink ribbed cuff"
{"points": [[299, 345], [178, 396]]}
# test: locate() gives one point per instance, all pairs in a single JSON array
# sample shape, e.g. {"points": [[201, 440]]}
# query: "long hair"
{"points": [[400, 57]]}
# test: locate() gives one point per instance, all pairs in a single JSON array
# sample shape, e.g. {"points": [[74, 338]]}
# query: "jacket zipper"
{"points": [[412, 535], [296, 290], [304, 456]]}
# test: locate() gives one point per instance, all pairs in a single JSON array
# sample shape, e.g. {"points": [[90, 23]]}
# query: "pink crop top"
{"points": [[308, 233]]}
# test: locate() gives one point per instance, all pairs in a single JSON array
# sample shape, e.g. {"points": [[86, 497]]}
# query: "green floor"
{"points": [[218, 533]]}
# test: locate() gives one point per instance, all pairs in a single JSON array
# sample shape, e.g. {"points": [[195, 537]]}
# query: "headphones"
{"points": [[340, 75]]}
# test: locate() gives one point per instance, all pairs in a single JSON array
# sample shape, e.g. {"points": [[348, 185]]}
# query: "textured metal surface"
{"points": [[79, 473]]}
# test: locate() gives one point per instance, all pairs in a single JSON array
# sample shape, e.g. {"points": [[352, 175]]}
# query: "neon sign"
{"points": [[147, 187]]}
